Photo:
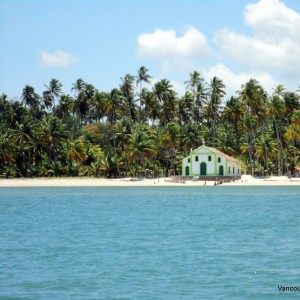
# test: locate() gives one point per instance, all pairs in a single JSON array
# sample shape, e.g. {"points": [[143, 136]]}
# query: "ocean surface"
{"points": [[149, 242]]}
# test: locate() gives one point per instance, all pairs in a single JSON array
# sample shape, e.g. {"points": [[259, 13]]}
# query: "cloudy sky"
{"points": [[103, 40]]}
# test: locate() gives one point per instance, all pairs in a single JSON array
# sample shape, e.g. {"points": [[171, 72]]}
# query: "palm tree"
{"points": [[246, 140], [164, 94], [24, 136], [292, 103], [113, 103], [65, 106], [48, 99], [75, 151], [189, 136], [83, 102], [29, 96], [109, 165], [185, 107], [141, 147], [225, 139], [266, 149], [197, 87], [97, 106], [216, 93], [152, 108], [142, 76], [13, 113], [232, 113], [127, 88], [93, 152], [293, 131], [78, 86], [195, 80], [54, 90], [254, 100], [52, 135], [7, 151], [277, 112], [122, 131], [170, 140]]}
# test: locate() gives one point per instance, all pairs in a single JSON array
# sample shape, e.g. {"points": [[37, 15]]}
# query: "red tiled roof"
{"points": [[229, 158]]}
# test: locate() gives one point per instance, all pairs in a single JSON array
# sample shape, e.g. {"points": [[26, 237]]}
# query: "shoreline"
{"points": [[246, 180]]}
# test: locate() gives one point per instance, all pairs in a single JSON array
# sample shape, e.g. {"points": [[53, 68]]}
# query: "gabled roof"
{"points": [[229, 158], [220, 153], [297, 168], [201, 147]]}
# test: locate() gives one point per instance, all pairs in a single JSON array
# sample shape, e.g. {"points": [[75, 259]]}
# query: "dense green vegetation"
{"points": [[135, 131]]}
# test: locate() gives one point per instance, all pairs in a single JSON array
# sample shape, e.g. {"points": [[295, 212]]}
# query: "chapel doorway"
{"points": [[187, 171], [221, 170], [203, 169]]}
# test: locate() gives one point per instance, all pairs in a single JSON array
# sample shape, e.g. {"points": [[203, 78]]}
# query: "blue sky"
{"points": [[102, 40]]}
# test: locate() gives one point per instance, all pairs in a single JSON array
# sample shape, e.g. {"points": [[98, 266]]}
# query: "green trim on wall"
{"points": [[226, 163], [215, 157], [201, 147], [207, 152]]}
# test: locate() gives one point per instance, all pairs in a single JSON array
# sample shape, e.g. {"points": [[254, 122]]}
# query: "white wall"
{"points": [[203, 157], [235, 168], [210, 165]]}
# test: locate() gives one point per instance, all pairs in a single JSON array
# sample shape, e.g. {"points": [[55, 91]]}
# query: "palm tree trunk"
{"points": [[282, 155], [144, 166], [265, 172], [250, 154], [114, 142], [140, 116], [214, 129]]}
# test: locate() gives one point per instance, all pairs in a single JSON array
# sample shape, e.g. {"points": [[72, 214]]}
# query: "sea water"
{"points": [[150, 243]]}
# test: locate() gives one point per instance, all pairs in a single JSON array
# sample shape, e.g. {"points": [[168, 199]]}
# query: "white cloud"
{"points": [[254, 52], [179, 88], [272, 20], [233, 81], [172, 50], [269, 54], [58, 58], [275, 44]]}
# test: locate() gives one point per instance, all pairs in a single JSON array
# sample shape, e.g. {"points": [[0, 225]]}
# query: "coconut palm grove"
{"points": [[133, 130]]}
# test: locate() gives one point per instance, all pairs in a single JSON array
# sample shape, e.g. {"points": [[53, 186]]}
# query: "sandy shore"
{"points": [[83, 181]]}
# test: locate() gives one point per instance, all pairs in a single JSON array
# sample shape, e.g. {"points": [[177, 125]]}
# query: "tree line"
{"points": [[141, 130]]}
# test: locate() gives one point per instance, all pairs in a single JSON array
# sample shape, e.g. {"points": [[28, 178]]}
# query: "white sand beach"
{"points": [[246, 180]]}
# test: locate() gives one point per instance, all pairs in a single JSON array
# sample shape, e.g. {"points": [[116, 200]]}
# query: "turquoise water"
{"points": [[149, 243]]}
